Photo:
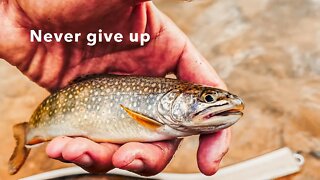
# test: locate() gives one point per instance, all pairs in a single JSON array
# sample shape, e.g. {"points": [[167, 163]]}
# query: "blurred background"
{"points": [[267, 51]]}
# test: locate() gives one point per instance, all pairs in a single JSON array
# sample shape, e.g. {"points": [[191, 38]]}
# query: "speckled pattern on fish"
{"points": [[120, 109], [96, 103]]}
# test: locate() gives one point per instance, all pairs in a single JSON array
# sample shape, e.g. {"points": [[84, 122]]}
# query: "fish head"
{"points": [[216, 109], [205, 109]]}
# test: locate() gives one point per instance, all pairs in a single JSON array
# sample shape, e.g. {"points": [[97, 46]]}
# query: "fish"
{"points": [[122, 108]]}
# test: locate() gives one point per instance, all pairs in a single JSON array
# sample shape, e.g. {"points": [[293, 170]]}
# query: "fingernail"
{"points": [[84, 160], [136, 165]]}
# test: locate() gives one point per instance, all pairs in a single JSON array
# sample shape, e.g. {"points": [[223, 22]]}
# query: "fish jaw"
{"points": [[219, 117]]}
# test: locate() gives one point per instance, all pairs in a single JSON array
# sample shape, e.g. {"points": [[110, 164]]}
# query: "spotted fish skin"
{"points": [[120, 109], [91, 108]]}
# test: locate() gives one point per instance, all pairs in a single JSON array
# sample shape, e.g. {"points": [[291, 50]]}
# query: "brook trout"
{"points": [[120, 109]]}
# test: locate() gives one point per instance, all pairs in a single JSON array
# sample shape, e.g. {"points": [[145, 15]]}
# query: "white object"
{"points": [[272, 165]]}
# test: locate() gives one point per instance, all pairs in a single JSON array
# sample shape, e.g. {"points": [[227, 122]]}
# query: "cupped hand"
{"points": [[53, 65]]}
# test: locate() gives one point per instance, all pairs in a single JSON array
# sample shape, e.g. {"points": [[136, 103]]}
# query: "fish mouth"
{"points": [[222, 117], [227, 110], [224, 113]]}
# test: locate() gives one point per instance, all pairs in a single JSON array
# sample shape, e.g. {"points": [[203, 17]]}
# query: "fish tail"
{"points": [[20, 152]]}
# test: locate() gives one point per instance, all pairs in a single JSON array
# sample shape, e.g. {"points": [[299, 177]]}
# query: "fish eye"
{"points": [[209, 98]]}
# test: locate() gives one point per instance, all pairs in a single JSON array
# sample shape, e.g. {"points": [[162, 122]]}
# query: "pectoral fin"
{"points": [[142, 119]]}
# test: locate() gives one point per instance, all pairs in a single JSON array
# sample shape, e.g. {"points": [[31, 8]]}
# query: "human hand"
{"points": [[53, 65]]}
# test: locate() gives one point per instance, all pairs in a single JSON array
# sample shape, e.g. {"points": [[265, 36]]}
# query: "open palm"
{"points": [[53, 65]]}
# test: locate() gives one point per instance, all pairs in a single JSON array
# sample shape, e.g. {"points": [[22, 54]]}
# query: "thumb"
{"points": [[193, 67], [212, 147]]}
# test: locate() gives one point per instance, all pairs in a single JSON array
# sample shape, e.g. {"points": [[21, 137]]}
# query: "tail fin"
{"points": [[20, 152]]}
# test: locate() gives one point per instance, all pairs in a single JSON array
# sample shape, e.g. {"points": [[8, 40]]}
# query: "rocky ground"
{"points": [[267, 51]]}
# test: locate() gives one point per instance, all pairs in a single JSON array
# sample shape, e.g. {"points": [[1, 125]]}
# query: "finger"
{"points": [[145, 158], [211, 150], [193, 67], [91, 156], [55, 147]]}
